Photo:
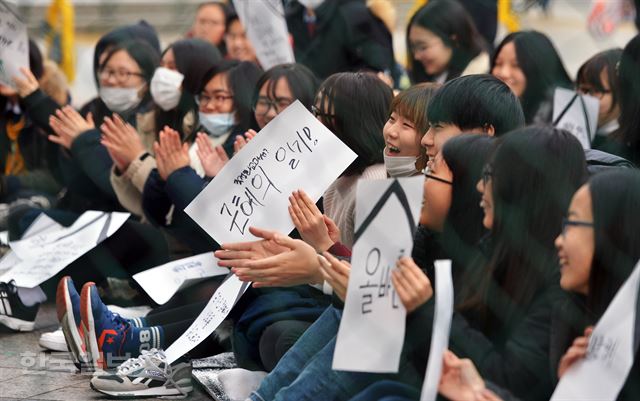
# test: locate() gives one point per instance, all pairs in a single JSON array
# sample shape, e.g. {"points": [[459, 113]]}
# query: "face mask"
{"points": [[120, 99], [400, 166], [217, 124], [313, 4], [165, 88]]}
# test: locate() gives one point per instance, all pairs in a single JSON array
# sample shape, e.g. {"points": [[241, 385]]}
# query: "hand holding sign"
{"points": [[411, 284], [460, 379], [27, 83], [577, 351]]}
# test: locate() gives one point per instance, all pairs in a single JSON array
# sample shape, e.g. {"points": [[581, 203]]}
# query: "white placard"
{"points": [[601, 375], [253, 190], [441, 329], [14, 44], [294, 151], [577, 114], [43, 255], [210, 318], [267, 30], [162, 282], [372, 327], [41, 225]]}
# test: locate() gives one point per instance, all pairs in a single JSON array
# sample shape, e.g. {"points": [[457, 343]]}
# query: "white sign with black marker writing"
{"points": [[14, 44], [372, 327], [441, 329], [266, 28], [43, 255], [162, 282], [601, 375], [576, 113], [294, 151]]}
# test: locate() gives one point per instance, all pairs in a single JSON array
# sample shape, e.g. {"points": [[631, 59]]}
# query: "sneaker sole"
{"points": [[94, 356], [149, 392], [16, 324], [53, 345], [67, 319]]}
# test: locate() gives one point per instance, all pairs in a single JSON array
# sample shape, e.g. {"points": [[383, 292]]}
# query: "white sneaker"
{"points": [[54, 341]]}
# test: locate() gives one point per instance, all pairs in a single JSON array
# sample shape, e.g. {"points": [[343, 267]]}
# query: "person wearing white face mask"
{"points": [[403, 155], [225, 112], [173, 88]]}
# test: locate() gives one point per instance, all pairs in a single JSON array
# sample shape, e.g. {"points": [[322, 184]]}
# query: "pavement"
{"points": [[28, 372]]}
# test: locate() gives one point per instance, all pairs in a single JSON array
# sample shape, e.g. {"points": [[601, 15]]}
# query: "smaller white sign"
{"points": [[266, 28], [577, 114], [441, 329], [43, 255], [372, 327], [212, 315], [162, 282], [14, 44], [601, 375]]}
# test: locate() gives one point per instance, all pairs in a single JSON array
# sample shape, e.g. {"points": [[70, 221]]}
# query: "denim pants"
{"points": [[304, 372]]}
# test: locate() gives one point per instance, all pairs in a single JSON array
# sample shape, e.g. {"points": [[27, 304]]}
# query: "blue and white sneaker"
{"points": [[68, 308], [105, 331], [148, 375]]}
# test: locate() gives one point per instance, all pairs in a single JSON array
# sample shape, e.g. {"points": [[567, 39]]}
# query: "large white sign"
{"points": [[14, 44], [577, 114], [43, 255], [601, 375], [441, 329], [162, 282], [294, 151], [266, 28], [372, 327]]}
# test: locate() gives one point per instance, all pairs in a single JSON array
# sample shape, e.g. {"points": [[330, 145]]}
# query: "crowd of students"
{"points": [[541, 232]]}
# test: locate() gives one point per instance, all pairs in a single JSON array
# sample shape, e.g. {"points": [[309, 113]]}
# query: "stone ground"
{"points": [[28, 372]]}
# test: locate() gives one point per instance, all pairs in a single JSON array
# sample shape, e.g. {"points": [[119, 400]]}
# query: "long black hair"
{"points": [[194, 57], [629, 78], [615, 199], [355, 107], [535, 172], [241, 77], [465, 156], [541, 65], [451, 22]]}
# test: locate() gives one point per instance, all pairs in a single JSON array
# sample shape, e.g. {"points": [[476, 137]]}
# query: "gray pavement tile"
{"points": [[34, 383]]}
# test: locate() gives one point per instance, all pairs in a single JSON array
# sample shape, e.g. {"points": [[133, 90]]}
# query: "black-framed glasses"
{"points": [[487, 173], [433, 177], [319, 113], [218, 99], [264, 104], [574, 223], [121, 76]]}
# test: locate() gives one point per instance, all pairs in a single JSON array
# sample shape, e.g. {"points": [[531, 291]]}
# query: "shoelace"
{"points": [[146, 358]]}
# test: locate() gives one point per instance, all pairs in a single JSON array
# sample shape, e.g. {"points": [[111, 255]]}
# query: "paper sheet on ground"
{"points": [[294, 151], [162, 282], [43, 255], [14, 44], [253, 190], [41, 225], [441, 329], [577, 114], [267, 30], [601, 375], [372, 327]]}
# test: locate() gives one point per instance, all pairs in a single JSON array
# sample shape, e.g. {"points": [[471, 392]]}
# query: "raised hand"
{"points": [[213, 159]]}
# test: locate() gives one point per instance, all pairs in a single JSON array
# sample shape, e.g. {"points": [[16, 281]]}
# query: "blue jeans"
{"points": [[387, 390], [304, 372]]}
